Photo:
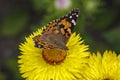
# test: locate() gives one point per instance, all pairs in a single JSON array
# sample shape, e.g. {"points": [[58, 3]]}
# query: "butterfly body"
{"points": [[57, 32]]}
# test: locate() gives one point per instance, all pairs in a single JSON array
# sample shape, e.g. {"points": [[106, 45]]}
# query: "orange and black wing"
{"points": [[57, 32]]}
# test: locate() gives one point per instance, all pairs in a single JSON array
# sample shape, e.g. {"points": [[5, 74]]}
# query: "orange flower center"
{"points": [[54, 56]]}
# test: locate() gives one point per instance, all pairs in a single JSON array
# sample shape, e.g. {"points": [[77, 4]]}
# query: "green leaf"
{"points": [[104, 19], [13, 65], [40, 4], [113, 38], [14, 23], [2, 76]]}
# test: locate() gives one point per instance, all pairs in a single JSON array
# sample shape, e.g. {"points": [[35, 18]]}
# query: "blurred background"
{"points": [[98, 24]]}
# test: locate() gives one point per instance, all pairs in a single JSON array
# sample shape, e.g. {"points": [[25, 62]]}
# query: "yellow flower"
{"points": [[106, 67], [34, 66]]}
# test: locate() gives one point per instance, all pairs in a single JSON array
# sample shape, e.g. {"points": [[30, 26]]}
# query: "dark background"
{"points": [[98, 24]]}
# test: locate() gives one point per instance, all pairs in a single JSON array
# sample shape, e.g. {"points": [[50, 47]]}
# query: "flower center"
{"points": [[54, 56]]}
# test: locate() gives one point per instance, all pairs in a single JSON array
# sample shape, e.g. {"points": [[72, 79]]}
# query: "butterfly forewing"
{"points": [[67, 23]]}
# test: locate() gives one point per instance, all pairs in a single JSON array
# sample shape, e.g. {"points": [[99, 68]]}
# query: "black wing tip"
{"points": [[76, 9]]}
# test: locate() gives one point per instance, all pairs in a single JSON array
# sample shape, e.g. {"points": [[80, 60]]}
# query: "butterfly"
{"points": [[57, 33]]}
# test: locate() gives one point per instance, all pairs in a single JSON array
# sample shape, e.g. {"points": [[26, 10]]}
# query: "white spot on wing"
{"points": [[76, 15], [70, 16], [39, 46], [73, 21]]}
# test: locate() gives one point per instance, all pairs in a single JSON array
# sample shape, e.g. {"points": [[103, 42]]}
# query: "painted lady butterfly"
{"points": [[57, 32]]}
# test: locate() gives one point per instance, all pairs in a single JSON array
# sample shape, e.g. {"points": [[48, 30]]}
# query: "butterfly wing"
{"points": [[57, 32], [43, 41], [67, 23]]}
